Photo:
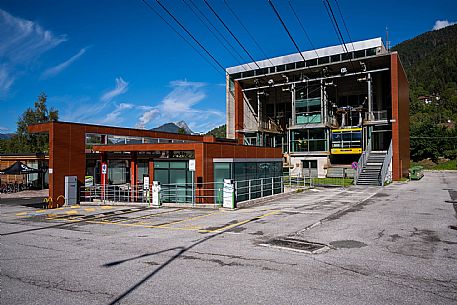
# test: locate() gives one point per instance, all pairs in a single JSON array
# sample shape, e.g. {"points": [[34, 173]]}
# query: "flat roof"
{"points": [[311, 54]]}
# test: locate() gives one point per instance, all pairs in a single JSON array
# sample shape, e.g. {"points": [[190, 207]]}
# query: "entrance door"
{"points": [[309, 168]]}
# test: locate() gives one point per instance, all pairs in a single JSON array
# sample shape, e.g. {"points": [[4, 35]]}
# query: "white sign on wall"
{"points": [[192, 165]]}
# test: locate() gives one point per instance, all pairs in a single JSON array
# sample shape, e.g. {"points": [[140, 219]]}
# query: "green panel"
{"points": [[161, 164], [178, 165], [308, 102], [178, 177], [308, 119], [161, 175], [221, 171]]}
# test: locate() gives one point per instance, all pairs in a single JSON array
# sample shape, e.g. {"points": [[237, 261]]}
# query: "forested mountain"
{"points": [[430, 61], [218, 132]]}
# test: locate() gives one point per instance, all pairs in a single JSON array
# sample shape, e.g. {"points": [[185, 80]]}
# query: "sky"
{"points": [[117, 63]]}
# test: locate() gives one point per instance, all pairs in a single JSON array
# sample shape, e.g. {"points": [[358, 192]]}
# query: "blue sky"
{"points": [[117, 63]]}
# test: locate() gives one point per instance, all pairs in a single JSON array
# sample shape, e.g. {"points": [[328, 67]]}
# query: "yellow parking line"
{"points": [[241, 222], [106, 207], [187, 219], [71, 212], [89, 209], [21, 213], [40, 211], [75, 206]]}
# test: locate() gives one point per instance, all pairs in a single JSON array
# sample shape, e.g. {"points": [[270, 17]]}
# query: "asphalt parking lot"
{"points": [[392, 245]]}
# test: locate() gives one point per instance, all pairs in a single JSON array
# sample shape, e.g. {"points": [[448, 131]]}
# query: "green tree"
{"points": [[25, 142]]}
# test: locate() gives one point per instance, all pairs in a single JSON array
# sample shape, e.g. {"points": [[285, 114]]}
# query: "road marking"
{"points": [[89, 209], [75, 206], [106, 207], [71, 212], [21, 213], [241, 222], [187, 219]]}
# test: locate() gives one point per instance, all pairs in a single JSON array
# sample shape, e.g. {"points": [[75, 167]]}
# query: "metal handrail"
{"points": [[385, 165], [362, 161]]}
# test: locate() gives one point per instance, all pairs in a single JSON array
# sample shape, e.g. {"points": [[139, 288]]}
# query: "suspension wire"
{"points": [[338, 32], [344, 23], [182, 37], [231, 33], [285, 28], [247, 31], [209, 24], [303, 28], [189, 33]]}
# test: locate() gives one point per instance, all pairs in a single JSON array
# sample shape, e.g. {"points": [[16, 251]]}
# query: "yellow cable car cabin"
{"points": [[346, 141]]}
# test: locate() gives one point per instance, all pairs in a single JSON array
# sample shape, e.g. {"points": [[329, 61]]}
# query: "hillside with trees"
{"points": [[218, 132], [23, 141], [430, 61]]}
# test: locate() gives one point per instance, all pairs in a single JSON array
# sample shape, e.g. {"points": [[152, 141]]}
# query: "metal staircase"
{"points": [[373, 167], [371, 172]]}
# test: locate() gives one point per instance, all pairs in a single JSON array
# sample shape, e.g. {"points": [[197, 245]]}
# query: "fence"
{"points": [[204, 193]]}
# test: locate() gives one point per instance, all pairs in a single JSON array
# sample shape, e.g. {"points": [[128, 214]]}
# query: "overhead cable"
{"points": [[247, 31], [180, 35], [303, 28], [207, 23], [231, 33], [344, 23], [188, 33], [285, 28]]}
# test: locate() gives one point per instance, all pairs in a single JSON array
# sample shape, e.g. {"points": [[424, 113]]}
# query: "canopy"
{"points": [[19, 168]]}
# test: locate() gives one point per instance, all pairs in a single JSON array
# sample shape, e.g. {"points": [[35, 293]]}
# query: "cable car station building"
{"points": [[324, 108], [131, 154], [319, 111]]}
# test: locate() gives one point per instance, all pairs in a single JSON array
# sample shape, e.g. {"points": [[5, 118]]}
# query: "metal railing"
{"points": [[385, 165], [362, 161], [204, 193]]}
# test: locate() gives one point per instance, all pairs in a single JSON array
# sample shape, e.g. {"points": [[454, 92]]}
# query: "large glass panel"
{"points": [[178, 165], [143, 169], [161, 164], [309, 140], [221, 171], [118, 172], [178, 179]]}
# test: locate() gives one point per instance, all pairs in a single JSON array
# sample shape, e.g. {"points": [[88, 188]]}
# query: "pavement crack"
{"points": [[244, 258], [54, 285]]}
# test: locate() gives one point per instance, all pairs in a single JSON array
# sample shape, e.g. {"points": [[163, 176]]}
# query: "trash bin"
{"points": [[416, 172]]}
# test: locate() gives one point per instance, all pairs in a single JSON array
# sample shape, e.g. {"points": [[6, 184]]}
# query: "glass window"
{"points": [[309, 140], [143, 169], [336, 58], [358, 54], [161, 164], [324, 60], [311, 62], [94, 139], [118, 172], [178, 164]]}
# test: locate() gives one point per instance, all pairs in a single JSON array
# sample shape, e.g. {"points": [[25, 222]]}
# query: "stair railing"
{"points": [[385, 165], [362, 161]]}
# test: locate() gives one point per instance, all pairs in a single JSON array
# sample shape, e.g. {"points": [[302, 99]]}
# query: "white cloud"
{"points": [[4, 128], [53, 71], [22, 42], [6, 80], [121, 88], [439, 24], [147, 117], [180, 104], [114, 116]]}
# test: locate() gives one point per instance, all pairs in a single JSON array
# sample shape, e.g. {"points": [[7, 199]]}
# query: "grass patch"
{"points": [[447, 165], [334, 181]]}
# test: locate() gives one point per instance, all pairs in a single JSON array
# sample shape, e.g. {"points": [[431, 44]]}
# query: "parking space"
{"points": [[299, 210]]}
